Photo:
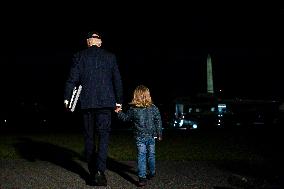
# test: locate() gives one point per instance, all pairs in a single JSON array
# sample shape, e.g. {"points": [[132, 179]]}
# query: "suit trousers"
{"points": [[97, 123]]}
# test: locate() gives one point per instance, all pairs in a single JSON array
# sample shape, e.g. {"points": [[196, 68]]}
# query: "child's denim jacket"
{"points": [[147, 121]]}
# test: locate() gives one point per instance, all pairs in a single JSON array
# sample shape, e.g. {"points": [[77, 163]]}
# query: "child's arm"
{"points": [[158, 123], [124, 116]]}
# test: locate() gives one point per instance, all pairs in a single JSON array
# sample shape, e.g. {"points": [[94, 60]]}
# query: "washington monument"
{"points": [[210, 89]]}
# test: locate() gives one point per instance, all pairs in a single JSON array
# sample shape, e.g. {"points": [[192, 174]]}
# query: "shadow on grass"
{"points": [[33, 150]]}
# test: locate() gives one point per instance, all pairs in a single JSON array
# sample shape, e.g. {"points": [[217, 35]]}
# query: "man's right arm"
{"points": [[117, 82], [158, 123], [72, 79]]}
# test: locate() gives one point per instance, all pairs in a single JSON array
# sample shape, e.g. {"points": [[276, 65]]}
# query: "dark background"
{"points": [[162, 47]]}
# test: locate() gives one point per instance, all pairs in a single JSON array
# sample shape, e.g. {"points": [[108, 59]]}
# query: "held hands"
{"points": [[118, 108]]}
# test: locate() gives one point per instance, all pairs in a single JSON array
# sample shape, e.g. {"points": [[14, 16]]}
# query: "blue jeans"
{"points": [[145, 156]]}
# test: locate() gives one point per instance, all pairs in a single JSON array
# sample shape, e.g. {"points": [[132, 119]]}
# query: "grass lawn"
{"points": [[176, 145]]}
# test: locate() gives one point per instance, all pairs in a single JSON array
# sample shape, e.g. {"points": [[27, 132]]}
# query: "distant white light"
{"points": [[181, 123], [222, 107], [194, 126]]}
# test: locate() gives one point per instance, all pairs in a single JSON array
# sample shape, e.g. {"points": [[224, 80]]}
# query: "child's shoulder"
{"points": [[154, 106], [132, 107]]}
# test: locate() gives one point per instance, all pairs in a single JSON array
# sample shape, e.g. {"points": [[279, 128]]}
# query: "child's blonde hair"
{"points": [[141, 97]]}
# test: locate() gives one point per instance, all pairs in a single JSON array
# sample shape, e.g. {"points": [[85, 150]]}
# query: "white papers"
{"points": [[75, 96]]}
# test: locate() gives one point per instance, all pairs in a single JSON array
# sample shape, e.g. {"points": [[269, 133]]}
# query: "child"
{"points": [[147, 126]]}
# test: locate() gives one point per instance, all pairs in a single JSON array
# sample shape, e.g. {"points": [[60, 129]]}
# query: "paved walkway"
{"points": [[71, 174]]}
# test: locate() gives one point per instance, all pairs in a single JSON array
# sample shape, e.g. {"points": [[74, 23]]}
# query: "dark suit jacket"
{"points": [[97, 71]]}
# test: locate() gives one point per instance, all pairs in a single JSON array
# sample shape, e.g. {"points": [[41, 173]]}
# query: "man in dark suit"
{"points": [[96, 70]]}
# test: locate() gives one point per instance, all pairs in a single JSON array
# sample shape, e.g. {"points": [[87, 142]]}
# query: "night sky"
{"points": [[164, 50]]}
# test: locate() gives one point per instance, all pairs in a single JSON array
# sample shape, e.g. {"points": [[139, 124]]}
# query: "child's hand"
{"points": [[159, 138], [118, 109]]}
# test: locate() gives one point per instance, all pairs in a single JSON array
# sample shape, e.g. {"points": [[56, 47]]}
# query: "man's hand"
{"points": [[66, 103]]}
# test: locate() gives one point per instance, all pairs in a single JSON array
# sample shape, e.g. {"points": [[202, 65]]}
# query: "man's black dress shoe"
{"points": [[99, 179]]}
